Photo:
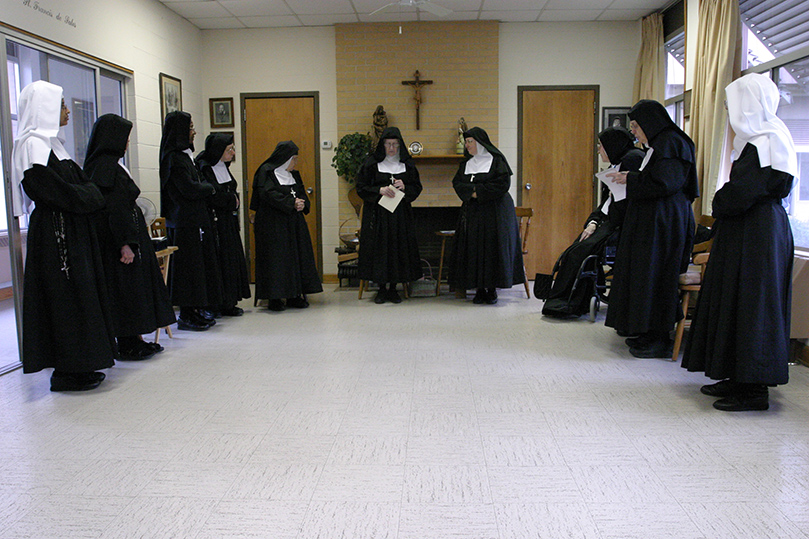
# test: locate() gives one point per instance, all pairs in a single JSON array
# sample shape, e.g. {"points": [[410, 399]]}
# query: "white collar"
{"points": [[481, 162], [220, 170], [284, 176], [391, 165], [123, 166]]}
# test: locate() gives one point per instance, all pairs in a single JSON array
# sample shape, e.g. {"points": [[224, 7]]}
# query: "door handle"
{"points": [[309, 190], [527, 186]]}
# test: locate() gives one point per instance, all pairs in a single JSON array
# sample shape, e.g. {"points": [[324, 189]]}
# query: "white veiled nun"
{"points": [[283, 174], [481, 162], [752, 101], [39, 111]]}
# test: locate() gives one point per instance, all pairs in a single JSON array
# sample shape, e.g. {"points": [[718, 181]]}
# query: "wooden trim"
{"points": [[799, 352], [66, 48], [6, 293], [330, 278]]}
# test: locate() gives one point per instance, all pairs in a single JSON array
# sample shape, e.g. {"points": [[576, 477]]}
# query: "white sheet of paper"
{"points": [[390, 203], [618, 190]]}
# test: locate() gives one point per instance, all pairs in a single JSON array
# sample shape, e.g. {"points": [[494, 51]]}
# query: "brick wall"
{"points": [[461, 58]]}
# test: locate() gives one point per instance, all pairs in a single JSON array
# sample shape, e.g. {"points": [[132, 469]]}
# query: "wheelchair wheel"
{"points": [[594, 304]]}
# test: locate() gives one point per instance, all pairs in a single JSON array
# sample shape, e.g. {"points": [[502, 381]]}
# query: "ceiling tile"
{"points": [[255, 8], [217, 23], [454, 16], [320, 7], [517, 5], [644, 5], [197, 10], [391, 16], [327, 20], [578, 5], [270, 22]]}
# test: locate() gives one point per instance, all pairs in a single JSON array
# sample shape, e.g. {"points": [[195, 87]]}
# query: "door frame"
{"points": [[247, 175], [596, 107]]}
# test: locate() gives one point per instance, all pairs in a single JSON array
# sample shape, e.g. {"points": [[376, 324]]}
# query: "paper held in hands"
{"points": [[390, 203], [618, 190]]}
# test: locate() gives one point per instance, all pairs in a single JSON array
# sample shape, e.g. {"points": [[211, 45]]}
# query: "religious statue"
{"points": [[459, 147], [380, 123]]}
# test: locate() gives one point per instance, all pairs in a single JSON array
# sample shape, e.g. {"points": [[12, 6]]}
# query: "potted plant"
{"points": [[350, 154]]}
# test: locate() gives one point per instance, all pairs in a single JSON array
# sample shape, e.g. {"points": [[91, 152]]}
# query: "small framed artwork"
{"points": [[221, 112], [171, 95], [614, 117]]}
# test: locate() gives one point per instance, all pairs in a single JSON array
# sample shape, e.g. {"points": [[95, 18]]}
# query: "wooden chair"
{"points": [[524, 217], [158, 228], [690, 283], [444, 235], [163, 260]]}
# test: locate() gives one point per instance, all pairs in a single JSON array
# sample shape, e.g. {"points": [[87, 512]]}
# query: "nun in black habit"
{"points": [[657, 235], [138, 296], [486, 253], [195, 281], [740, 331], [389, 253], [285, 261], [214, 167], [617, 147], [67, 324]]}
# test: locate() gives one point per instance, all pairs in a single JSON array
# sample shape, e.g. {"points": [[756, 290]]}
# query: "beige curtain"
{"points": [[650, 73], [717, 57]]}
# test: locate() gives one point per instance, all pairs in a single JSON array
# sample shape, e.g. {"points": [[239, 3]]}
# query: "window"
{"points": [[674, 30], [776, 43]]}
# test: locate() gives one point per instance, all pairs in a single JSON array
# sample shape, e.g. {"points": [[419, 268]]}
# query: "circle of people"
{"points": [[93, 286]]}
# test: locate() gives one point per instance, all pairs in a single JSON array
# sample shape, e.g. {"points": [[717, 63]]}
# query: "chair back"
{"points": [[705, 246], [524, 217], [158, 228]]}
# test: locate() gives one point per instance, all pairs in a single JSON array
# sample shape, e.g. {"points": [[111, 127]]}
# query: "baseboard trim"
{"points": [[6, 293]]}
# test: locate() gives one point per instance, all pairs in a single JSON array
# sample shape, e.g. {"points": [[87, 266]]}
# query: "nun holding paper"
{"points": [[285, 263]]}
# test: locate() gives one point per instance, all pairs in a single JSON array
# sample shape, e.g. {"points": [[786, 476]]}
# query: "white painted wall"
{"points": [[564, 53], [278, 60], [141, 35]]}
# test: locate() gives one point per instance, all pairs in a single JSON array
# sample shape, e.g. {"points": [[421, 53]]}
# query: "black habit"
{"points": [[138, 295], [486, 251], [389, 252], [224, 206], [194, 275], [285, 260], [619, 145], [741, 323], [658, 229], [67, 322]]}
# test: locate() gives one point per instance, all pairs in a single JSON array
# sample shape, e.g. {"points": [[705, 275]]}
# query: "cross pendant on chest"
{"points": [[292, 192], [472, 178], [392, 179]]}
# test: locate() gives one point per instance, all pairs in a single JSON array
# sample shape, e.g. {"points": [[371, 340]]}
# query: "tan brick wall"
{"points": [[461, 58]]}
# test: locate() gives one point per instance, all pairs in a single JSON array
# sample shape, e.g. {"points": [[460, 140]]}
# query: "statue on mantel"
{"points": [[459, 146], [380, 122]]}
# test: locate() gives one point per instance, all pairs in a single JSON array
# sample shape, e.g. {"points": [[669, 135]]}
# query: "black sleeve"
{"points": [[412, 182], [463, 187], [365, 183], [495, 184], [300, 192], [661, 178], [44, 186], [749, 184], [183, 178], [222, 199], [119, 212], [269, 192]]}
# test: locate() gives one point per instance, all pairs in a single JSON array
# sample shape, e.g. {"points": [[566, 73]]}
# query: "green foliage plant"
{"points": [[350, 154]]}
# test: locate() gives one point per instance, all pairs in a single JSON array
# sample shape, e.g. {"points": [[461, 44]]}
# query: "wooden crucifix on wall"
{"points": [[417, 83]]}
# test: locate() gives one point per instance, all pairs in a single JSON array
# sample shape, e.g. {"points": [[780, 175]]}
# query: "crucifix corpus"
{"points": [[417, 83]]}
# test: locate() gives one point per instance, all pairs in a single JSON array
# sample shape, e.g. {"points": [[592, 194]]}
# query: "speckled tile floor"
{"points": [[431, 419]]}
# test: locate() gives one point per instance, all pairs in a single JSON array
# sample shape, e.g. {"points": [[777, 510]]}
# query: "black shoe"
{"points": [[393, 296], [725, 388], [156, 347], [480, 296], [276, 305], [206, 314], [739, 403], [138, 352], [298, 303], [200, 319], [656, 349], [232, 311], [491, 296], [82, 381], [191, 325], [381, 296]]}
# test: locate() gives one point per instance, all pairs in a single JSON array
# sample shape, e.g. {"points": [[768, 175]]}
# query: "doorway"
{"points": [[267, 119], [557, 158]]}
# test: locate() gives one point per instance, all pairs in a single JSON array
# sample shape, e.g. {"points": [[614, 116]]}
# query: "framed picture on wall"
{"points": [[221, 112], [171, 95], [614, 117]]}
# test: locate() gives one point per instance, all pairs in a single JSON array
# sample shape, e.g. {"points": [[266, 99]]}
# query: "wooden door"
{"points": [[557, 130], [267, 120]]}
